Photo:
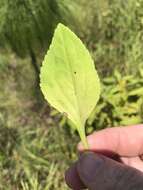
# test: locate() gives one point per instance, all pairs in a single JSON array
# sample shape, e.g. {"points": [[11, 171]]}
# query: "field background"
{"points": [[36, 143]]}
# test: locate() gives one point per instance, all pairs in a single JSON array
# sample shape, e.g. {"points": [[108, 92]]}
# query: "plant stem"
{"points": [[83, 138]]}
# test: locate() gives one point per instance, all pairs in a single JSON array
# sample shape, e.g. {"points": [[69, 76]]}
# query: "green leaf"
{"points": [[68, 78]]}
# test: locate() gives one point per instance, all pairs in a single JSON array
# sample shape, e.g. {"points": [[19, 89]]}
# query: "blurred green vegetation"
{"points": [[36, 143]]}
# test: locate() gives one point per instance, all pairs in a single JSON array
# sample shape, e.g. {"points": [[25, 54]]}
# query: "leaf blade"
{"points": [[68, 78]]}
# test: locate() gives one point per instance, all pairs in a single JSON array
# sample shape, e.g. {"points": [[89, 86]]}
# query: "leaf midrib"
{"points": [[73, 79]]}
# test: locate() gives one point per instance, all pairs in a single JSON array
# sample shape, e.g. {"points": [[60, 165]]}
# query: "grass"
{"points": [[34, 150]]}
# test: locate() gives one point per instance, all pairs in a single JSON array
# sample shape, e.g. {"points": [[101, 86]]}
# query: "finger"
{"points": [[72, 178], [134, 162], [125, 141], [100, 172]]}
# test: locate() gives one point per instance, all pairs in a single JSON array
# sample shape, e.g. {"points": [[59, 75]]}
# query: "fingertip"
{"points": [[80, 147], [86, 162], [94, 141], [91, 140], [106, 139], [72, 178], [87, 167]]}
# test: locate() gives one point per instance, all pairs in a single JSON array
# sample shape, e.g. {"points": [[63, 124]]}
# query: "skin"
{"points": [[127, 142]]}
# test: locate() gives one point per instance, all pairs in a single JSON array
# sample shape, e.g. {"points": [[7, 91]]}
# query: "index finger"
{"points": [[125, 141]]}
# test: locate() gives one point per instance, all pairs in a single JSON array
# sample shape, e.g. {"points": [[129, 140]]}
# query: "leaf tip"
{"points": [[60, 26]]}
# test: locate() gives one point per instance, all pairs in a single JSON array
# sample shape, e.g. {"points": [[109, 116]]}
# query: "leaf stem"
{"points": [[83, 138]]}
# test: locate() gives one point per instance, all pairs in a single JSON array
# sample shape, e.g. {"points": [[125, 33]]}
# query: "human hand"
{"points": [[126, 142], [101, 173]]}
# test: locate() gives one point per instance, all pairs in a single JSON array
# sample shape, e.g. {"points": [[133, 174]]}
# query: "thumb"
{"points": [[101, 173]]}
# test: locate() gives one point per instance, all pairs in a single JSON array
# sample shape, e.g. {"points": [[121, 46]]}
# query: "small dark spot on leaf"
{"points": [[74, 72], [65, 114]]}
